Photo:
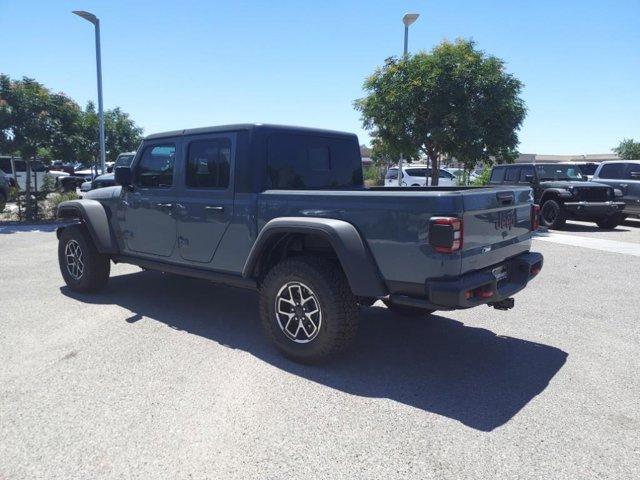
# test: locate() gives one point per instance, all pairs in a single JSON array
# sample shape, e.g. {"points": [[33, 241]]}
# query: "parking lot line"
{"points": [[613, 246]]}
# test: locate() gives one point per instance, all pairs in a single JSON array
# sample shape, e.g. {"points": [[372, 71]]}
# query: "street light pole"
{"points": [[90, 17], [408, 19]]}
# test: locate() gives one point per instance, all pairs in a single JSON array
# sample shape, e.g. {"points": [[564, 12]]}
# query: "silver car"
{"points": [[623, 175]]}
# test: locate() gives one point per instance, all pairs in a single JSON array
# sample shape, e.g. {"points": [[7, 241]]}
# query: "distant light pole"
{"points": [[90, 17], [408, 19]]}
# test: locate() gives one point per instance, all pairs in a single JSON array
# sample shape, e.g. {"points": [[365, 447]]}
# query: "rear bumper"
{"points": [[594, 208], [454, 294]]}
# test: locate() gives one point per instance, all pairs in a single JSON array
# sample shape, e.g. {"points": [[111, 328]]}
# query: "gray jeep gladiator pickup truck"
{"points": [[283, 210]]}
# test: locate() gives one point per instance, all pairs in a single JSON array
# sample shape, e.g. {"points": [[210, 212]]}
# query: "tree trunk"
{"points": [[435, 168], [28, 208]]}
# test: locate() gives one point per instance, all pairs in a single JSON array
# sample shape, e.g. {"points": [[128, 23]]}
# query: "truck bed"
{"points": [[395, 225]]}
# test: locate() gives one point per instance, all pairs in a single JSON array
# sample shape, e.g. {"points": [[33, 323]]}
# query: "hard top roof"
{"points": [[247, 126]]}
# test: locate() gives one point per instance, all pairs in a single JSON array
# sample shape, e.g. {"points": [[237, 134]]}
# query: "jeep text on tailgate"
{"points": [[283, 210]]}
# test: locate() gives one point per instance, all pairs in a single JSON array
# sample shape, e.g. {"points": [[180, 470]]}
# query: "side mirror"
{"points": [[122, 176]]}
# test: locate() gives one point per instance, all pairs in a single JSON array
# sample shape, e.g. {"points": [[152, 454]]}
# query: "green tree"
{"points": [[121, 134], [31, 118], [453, 102], [628, 149]]}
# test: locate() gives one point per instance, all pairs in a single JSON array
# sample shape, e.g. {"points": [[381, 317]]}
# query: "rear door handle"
{"points": [[164, 205], [214, 208]]}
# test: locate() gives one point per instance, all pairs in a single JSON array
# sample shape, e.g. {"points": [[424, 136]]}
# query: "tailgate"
{"points": [[497, 225]]}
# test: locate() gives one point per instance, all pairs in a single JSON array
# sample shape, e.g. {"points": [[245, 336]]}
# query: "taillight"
{"points": [[445, 234], [535, 217]]}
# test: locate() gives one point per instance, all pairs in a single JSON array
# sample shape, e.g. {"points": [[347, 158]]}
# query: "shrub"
{"points": [[483, 178], [56, 199]]}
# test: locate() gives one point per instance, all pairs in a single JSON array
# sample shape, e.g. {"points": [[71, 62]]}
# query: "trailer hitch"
{"points": [[505, 304]]}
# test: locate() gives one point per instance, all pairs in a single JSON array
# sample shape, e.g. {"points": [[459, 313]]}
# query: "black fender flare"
{"points": [[94, 216], [352, 252]]}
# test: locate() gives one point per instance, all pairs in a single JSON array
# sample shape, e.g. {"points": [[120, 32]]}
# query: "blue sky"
{"points": [[191, 63]]}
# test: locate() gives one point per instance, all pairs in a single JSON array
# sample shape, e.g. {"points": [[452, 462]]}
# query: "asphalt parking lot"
{"points": [[167, 377]]}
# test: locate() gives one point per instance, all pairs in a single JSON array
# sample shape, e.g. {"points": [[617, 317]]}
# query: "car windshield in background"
{"points": [[588, 169], [559, 172], [124, 160]]}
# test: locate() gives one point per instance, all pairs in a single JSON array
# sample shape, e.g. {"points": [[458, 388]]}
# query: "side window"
{"points": [[155, 168], [300, 161], [445, 174], [524, 171], [5, 165], [512, 175], [497, 175], [38, 166], [633, 171], [209, 163], [20, 165], [612, 170]]}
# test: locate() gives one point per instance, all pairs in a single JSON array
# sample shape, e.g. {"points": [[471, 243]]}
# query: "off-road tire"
{"points": [[553, 215], [407, 310], [338, 307], [610, 222], [96, 266]]}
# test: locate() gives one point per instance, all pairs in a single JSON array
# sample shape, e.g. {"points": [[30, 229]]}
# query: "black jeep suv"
{"points": [[562, 192]]}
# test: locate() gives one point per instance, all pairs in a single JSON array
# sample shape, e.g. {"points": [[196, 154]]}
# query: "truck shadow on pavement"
{"points": [[437, 364]]}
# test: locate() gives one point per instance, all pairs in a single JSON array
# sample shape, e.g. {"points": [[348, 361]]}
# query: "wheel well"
{"points": [[70, 213], [286, 245], [550, 196]]}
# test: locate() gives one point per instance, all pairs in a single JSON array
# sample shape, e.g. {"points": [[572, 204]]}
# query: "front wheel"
{"points": [[553, 214], [307, 309], [83, 268]]}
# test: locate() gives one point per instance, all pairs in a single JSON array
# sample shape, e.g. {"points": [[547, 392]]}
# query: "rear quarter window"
{"points": [[512, 174], [633, 171], [612, 170], [497, 175], [297, 161], [392, 174]]}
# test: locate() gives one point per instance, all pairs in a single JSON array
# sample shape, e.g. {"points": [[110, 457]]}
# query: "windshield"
{"points": [[558, 172], [124, 160], [588, 169]]}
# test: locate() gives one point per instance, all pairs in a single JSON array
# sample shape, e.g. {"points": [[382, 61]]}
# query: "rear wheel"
{"points": [[307, 309], [407, 310], [609, 223], [83, 268], [553, 214]]}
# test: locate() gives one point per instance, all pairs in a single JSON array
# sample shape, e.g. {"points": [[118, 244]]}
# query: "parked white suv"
{"points": [[416, 176], [623, 175], [16, 169]]}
